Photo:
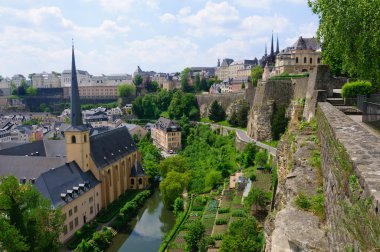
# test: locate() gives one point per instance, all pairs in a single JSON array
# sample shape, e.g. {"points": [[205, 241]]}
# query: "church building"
{"points": [[82, 173]]}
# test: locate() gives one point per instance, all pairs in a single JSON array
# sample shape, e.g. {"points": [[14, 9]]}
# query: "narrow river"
{"points": [[147, 229]]}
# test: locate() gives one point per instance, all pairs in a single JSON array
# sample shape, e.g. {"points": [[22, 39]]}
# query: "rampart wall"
{"points": [[351, 168]]}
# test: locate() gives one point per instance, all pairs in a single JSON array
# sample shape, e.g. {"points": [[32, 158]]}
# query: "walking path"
{"points": [[243, 136]]}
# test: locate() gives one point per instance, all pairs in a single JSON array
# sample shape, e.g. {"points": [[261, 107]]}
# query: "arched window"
{"points": [[304, 60], [140, 181], [296, 60], [319, 60], [132, 181], [311, 60], [73, 139], [85, 138]]}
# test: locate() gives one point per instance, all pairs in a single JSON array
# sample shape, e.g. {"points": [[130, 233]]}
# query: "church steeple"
{"points": [[76, 113], [271, 47], [278, 46], [266, 51]]}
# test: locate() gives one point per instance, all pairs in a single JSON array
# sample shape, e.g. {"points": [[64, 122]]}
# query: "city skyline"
{"points": [[114, 37]]}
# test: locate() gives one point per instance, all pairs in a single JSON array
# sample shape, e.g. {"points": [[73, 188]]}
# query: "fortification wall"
{"points": [[351, 168], [225, 100]]}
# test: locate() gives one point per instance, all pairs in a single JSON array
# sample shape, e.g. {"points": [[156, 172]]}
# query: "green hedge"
{"points": [[100, 241], [353, 89], [129, 210], [84, 233], [113, 209]]}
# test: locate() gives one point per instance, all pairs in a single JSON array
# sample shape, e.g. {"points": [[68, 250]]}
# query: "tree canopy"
{"points": [[350, 35], [256, 74], [216, 113], [126, 90], [27, 222], [185, 85]]}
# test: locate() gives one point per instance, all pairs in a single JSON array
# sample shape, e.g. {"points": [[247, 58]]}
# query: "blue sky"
{"points": [[114, 36]]}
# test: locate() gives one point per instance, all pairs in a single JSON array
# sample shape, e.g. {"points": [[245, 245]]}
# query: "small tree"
{"points": [[261, 158], [216, 112], [256, 74], [195, 236], [126, 90], [178, 205], [233, 120]]}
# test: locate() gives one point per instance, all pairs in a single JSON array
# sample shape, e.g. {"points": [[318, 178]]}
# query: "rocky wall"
{"points": [[348, 153]]}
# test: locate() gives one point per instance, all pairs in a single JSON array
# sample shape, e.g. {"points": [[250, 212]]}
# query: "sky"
{"points": [[116, 36]]}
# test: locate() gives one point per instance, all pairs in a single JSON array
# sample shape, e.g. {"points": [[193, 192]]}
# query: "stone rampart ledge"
{"points": [[362, 147]]}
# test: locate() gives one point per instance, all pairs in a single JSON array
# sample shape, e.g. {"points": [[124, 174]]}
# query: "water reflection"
{"points": [[146, 231]]}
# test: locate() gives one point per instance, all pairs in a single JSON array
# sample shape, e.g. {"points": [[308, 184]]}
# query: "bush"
{"points": [[223, 210], [353, 89], [221, 221], [238, 213]]}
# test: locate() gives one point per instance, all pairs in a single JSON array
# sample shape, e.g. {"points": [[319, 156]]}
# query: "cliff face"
{"points": [[291, 227]]}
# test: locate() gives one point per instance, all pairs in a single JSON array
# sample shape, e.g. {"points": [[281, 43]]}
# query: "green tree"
{"points": [[31, 90], [233, 120], [261, 158], [185, 86], [23, 208], [175, 163], [213, 179], [151, 156], [172, 187], [10, 237], [152, 86], [243, 235], [137, 80], [195, 236], [164, 98], [258, 198], [279, 122], [256, 74], [248, 155], [204, 85], [137, 107], [350, 35], [216, 113], [126, 90], [178, 205], [242, 114], [197, 85]]}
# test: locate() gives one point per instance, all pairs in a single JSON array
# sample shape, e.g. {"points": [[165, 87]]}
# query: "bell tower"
{"points": [[77, 136]]}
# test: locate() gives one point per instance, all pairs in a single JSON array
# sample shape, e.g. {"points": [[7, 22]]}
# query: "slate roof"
{"points": [[226, 62], [137, 170], [28, 167], [59, 180], [307, 44], [45, 148], [167, 125], [111, 146]]}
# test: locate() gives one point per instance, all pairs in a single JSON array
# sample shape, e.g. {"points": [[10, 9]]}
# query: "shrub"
{"points": [[238, 213], [217, 237], [223, 210], [303, 202], [198, 208], [221, 222], [352, 89]]}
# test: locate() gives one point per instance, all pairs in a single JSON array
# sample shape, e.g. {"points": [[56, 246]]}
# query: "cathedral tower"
{"points": [[77, 135]]}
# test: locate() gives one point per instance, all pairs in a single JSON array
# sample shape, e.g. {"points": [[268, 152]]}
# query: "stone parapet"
{"points": [[349, 153]]}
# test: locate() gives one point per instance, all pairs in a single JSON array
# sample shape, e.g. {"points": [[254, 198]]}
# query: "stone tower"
{"points": [[77, 136]]}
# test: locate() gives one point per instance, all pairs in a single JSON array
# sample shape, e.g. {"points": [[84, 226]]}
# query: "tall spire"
{"points": [[271, 47], [266, 51], [278, 46], [76, 113]]}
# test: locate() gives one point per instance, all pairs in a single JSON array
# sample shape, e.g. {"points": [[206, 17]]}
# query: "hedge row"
{"points": [[84, 233], [100, 241], [130, 209]]}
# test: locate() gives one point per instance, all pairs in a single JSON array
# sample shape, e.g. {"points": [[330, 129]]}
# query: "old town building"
{"points": [[303, 56], [166, 135]]}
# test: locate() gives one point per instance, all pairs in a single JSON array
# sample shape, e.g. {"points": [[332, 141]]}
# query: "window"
{"points": [[132, 181], [85, 138], [311, 60], [91, 199], [70, 212], [319, 60], [73, 139], [71, 225], [91, 210], [297, 60], [140, 181], [65, 229], [304, 60], [76, 221]]}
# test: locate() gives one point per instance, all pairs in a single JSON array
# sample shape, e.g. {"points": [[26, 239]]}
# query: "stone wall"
{"points": [[319, 87], [349, 153], [225, 100]]}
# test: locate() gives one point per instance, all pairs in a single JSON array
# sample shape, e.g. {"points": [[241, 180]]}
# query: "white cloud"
{"points": [[264, 24], [167, 18], [307, 30], [255, 4], [127, 5], [239, 48]]}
